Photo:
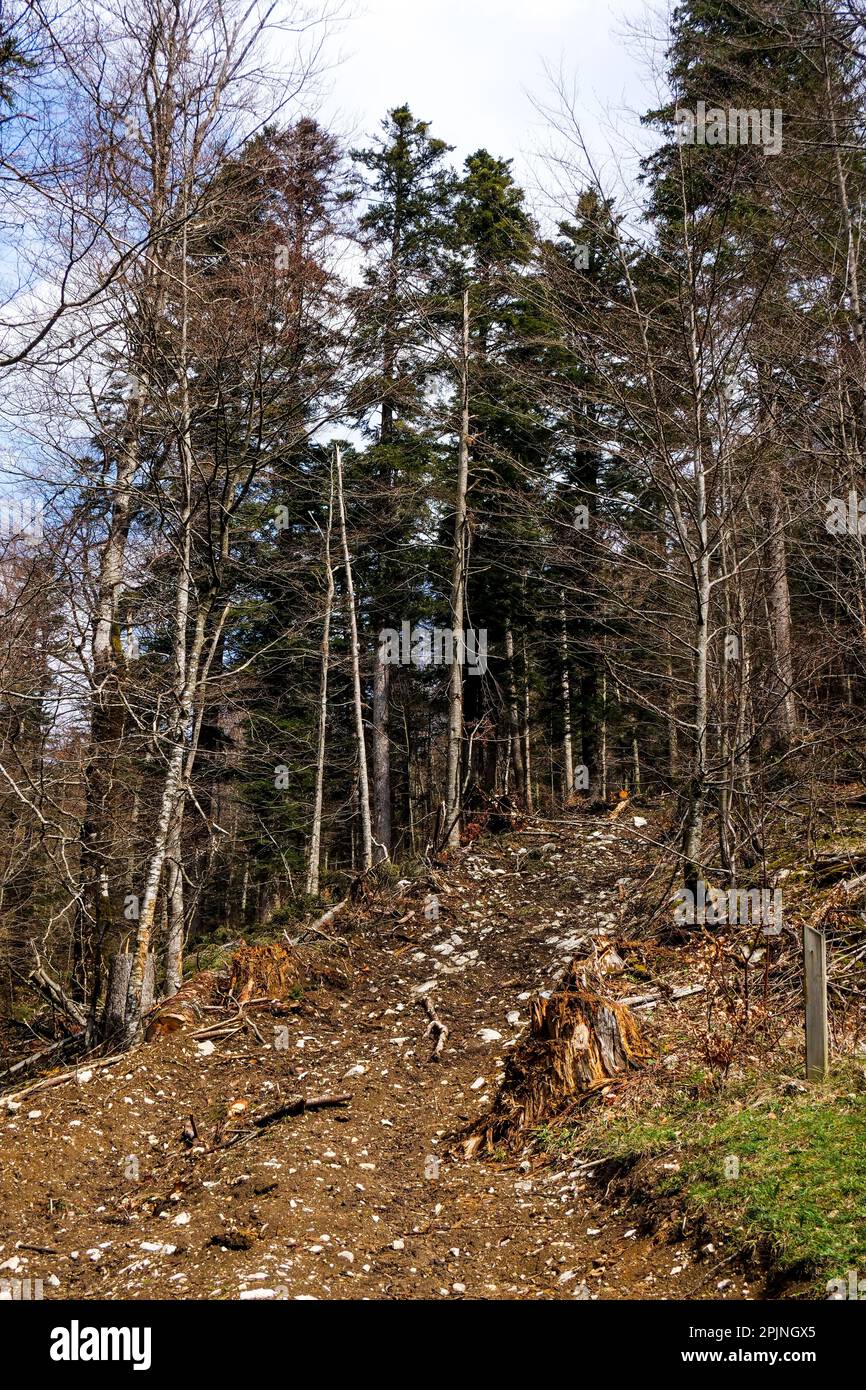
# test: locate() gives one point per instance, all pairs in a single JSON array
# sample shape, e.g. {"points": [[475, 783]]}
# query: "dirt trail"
{"points": [[336, 1204]]}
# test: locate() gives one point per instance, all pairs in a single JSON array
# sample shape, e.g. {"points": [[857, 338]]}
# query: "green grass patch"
{"points": [[790, 1171]]}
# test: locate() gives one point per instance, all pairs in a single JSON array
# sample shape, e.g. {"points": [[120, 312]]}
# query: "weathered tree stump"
{"points": [[269, 972], [578, 1042]]}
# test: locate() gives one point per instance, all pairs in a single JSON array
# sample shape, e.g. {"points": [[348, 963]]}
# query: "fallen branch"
{"points": [[299, 1105], [34, 1059], [638, 1001], [293, 1107], [42, 982], [69, 1075], [436, 1029]]}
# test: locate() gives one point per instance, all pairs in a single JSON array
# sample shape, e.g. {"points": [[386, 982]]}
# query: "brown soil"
{"points": [[345, 1203]]}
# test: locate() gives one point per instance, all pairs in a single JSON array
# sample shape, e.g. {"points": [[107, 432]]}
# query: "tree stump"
{"points": [[269, 972], [578, 1042]]}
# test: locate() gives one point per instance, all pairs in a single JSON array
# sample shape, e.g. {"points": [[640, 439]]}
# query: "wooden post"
{"points": [[815, 989]]}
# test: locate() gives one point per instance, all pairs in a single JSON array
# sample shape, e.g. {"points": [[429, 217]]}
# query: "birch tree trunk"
{"points": [[363, 781], [381, 759], [176, 913], [565, 687]]}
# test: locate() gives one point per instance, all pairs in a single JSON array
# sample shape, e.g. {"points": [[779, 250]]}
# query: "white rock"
{"points": [[489, 1035], [205, 1049], [638, 822], [478, 1083]]}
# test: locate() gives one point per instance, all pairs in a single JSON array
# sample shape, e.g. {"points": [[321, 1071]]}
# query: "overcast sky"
{"points": [[472, 67]]}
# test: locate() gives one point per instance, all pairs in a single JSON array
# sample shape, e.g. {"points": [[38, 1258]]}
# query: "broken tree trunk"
{"points": [[114, 1010], [578, 1043]]}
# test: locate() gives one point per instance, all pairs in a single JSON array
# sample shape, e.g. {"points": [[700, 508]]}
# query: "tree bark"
{"points": [[381, 759]]}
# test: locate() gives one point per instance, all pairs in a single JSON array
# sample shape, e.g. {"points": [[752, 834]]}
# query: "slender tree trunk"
{"points": [[780, 606], [453, 796], [604, 736], [381, 758], [176, 914], [363, 781], [515, 744], [565, 687], [316, 830], [527, 757]]}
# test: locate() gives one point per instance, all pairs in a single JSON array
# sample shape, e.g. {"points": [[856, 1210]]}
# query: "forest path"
{"points": [[335, 1203]]}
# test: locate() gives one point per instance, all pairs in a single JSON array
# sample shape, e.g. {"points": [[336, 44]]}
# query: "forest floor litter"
{"points": [[314, 1153]]}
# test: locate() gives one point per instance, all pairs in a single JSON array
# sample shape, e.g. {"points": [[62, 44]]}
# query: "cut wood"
{"points": [[187, 1006]]}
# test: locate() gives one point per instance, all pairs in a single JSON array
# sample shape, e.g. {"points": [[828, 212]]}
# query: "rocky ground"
{"points": [[101, 1197]]}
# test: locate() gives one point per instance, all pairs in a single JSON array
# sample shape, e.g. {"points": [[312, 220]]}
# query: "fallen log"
{"points": [[70, 1074], [298, 1106], [830, 866], [186, 1007], [640, 1001], [577, 1044], [35, 1059]]}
